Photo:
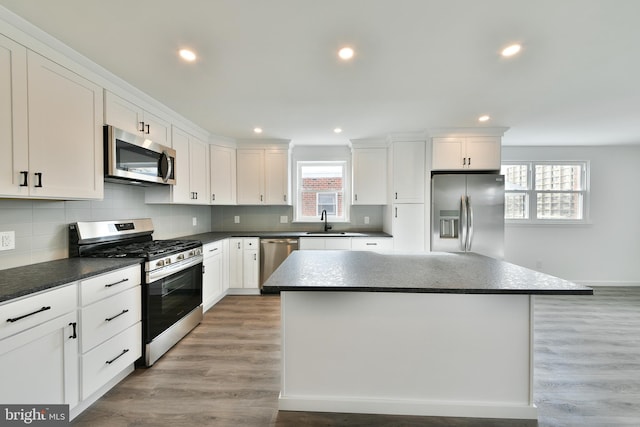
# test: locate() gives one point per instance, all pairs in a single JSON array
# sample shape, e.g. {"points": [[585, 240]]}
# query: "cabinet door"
{"points": [[251, 268], [370, 176], [181, 189], [276, 170], [483, 153], [40, 365], [222, 161], [13, 118], [408, 227], [408, 172], [122, 114], [198, 178], [236, 250], [338, 243], [311, 243], [65, 132], [250, 177], [156, 129], [212, 280], [448, 154]]}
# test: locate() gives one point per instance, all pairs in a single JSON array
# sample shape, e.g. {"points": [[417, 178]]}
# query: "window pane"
{"points": [[516, 177], [516, 206], [320, 187], [559, 206], [558, 177]]}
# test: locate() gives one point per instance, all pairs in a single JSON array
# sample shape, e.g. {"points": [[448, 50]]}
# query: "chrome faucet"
{"points": [[324, 217]]}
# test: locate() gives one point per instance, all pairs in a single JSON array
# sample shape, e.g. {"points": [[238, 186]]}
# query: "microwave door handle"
{"points": [[166, 166]]}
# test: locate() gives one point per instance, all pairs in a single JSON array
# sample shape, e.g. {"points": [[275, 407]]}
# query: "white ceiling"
{"points": [[419, 64]]}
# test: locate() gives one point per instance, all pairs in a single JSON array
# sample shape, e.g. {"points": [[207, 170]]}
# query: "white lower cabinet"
{"points": [[212, 280], [322, 243], [244, 265], [373, 244], [39, 349], [408, 227]]}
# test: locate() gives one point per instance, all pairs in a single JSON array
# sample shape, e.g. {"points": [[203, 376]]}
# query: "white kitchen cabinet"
{"points": [[212, 289], [466, 153], [225, 266], [129, 117], [408, 223], [374, 244], [64, 116], [191, 172], [39, 352], [244, 265], [222, 161], [110, 328], [369, 176], [262, 176], [408, 171], [325, 243]]}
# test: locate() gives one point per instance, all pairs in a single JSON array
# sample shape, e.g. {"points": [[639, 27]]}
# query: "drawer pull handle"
{"points": [[74, 335], [109, 319], [15, 319], [109, 362], [116, 283], [213, 250], [372, 244]]}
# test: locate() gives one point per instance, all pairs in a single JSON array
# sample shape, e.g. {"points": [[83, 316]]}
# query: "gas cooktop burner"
{"points": [[151, 249]]}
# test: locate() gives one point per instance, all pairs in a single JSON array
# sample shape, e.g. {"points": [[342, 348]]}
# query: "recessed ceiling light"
{"points": [[484, 118], [257, 130], [511, 50], [337, 130], [187, 55], [346, 53]]}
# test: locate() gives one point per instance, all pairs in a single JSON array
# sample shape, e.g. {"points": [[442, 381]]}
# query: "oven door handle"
{"points": [[163, 272]]}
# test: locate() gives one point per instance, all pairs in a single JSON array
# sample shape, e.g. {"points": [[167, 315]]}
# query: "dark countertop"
{"points": [[412, 273], [220, 235], [20, 281]]}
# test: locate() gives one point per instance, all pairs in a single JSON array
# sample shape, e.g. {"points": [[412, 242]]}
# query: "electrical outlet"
{"points": [[284, 219], [236, 219], [194, 220], [7, 240], [366, 220]]}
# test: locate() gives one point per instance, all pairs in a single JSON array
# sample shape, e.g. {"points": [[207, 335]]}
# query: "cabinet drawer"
{"points": [[33, 310], [110, 316], [108, 359], [106, 285], [212, 249], [372, 244]]}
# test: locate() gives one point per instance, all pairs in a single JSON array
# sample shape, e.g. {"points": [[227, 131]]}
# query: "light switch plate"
{"points": [[236, 219], [7, 240], [194, 220], [366, 220]]}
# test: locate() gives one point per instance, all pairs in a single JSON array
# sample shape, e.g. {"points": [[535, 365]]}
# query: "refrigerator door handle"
{"points": [[470, 224], [462, 227]]}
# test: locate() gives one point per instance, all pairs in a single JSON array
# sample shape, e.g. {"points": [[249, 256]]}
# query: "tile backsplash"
{"points": [[41, 226]]}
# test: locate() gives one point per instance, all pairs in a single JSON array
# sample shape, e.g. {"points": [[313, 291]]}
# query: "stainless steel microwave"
{"points": [[137, 160]]}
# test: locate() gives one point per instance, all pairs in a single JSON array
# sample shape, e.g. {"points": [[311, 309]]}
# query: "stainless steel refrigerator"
{"points": [[467, 213]]}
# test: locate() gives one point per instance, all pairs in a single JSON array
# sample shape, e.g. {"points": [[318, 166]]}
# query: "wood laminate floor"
{"points": [[227, 371]]}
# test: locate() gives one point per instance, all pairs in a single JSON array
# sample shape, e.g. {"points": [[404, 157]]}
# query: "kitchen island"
{"points": [[428, 334]]}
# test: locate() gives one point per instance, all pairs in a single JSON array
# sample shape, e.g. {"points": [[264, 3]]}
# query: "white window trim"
{"points": [[315, 153], [533, 199]]}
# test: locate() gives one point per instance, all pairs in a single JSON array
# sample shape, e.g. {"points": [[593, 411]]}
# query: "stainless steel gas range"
{"points": [[172, 271]]}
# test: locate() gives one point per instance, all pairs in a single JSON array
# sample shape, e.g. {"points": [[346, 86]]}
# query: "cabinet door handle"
{"points": [[109, 319], [108, 285], [25, 178], [284, 197], [74, 335], [396, 195], [39, 176], [255, 257], [213, 197], [261, 197], [148, 129], [238, 245], [469, 161], [141, 127], [109, 362], [464, 161], [396, 212], [356, 197], [15, 319]]}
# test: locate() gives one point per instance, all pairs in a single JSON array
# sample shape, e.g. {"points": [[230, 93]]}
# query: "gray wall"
{"points": [[607, 249], [41, 226]]}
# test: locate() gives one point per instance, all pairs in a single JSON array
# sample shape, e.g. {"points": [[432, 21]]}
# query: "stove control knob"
{"points": [[180, 257], [198, 251], [167, 261], [160, 263]]}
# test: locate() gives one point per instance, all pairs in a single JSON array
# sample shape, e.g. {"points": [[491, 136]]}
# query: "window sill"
{"points": [[548, 223]]}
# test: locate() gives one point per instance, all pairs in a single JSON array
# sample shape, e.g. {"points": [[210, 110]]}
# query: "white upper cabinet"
{"points": [[369, 176], [466, 153], [408, 171], [191, 172], [262, 176], [222, 164], [64, 116], [129, 117]]}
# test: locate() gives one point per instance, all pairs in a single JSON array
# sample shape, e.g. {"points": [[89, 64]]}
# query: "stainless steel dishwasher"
{"points": [[272, 253]]}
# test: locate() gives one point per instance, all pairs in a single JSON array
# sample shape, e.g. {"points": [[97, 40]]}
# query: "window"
{"points": [[544, 192], [320, 186]]}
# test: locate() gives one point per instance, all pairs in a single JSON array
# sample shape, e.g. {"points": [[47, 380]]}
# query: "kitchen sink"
{"points": [[326, 233]]}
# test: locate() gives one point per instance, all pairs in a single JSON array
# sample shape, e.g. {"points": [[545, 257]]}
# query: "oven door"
{"points": [[169, 299], [134, 158]]}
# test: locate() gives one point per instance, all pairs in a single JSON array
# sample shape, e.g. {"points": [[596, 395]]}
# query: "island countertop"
{"points": [[355, 271]]}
